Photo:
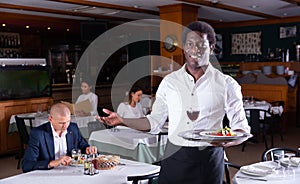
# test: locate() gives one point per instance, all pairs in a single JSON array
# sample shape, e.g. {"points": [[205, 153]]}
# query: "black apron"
{"points": [[192, 165]]}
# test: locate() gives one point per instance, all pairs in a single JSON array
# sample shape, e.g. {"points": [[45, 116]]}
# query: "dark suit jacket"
{"points": [[40, 149]]}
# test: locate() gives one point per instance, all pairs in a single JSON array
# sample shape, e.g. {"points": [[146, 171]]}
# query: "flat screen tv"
{"points": [[21, 82]]}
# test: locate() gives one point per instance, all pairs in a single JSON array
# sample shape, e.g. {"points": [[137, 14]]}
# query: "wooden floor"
{"points": [[252, 153]]}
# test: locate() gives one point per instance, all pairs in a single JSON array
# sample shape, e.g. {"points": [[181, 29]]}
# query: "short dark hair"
{"points": [[202, 27]]}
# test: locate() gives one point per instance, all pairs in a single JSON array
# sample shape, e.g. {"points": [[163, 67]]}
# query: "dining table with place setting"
{"points": [[101, 169], [40, 118], [286, 170], [129, 143]]}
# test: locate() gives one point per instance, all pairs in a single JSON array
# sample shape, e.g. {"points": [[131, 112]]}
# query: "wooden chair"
{"points": [[150, 177], [269, 154], [227, 166], [23, 134]]}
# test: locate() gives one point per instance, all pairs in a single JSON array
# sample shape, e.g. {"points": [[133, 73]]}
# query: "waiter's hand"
{"points": [[112, 119]]}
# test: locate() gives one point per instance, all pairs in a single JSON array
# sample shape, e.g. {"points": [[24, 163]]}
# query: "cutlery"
{"points": [[251, 178]]}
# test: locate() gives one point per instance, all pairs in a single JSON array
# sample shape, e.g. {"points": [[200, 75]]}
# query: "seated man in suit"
{"points": [[50, 144]]}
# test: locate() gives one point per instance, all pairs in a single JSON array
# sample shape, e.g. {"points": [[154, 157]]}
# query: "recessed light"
{"points": [[48, 28], [254, 6], [3, 25], [27, 27], [136, 6], [68, 29]]}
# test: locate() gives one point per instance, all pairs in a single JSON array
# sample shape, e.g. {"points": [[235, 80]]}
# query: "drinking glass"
{"points": [[246, 100], [114, 129], [290, 171], [76, 154]]}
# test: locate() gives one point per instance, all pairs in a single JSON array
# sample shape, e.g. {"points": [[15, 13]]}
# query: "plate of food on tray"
{"points": [[221, 135]]}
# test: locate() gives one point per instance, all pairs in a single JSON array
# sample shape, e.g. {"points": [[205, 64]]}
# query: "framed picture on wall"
{"points": [[286, 32], [246, 43]]}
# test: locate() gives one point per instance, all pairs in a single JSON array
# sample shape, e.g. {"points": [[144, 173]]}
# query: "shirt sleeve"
{"points": [[94, 102], [159, 113], [234, 107]]}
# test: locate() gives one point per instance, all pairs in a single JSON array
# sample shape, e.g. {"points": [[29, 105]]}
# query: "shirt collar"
{"points": [[55, 134], [206, 73]]}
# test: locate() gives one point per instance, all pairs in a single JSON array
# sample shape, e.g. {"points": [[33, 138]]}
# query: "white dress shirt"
{"points": [[60, 143], [214, 94], [93, 98], [127, 111]]}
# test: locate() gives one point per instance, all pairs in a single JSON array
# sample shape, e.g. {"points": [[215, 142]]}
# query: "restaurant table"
{"points": [[129, 143], [260, 105], [74, 175], [42, 118], [273, 178]]}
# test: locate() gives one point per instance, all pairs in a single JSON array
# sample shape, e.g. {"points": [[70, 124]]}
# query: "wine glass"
{"points": [[279, 169], [193, 113], [76, 154], [290, 171]]}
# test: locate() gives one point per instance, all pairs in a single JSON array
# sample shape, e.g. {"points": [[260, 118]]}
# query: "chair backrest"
{"points": [[227, 165], [22, 129], [269, 154], [254, 117], [94, 126], [149, 177]]}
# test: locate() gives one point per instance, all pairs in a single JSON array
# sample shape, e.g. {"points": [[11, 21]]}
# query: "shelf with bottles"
{"points": [[10, 45], [10, 40]]}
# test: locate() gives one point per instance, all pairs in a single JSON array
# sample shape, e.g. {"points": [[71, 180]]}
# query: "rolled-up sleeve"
{"points": [[234, 107], [159, 113]]}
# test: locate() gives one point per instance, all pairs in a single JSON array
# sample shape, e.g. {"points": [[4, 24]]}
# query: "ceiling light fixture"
{"points": [[27, 27], [254, 6], [3, 25]]}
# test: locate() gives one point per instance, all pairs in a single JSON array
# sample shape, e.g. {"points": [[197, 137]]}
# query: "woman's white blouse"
{"points": [[126, 111]]}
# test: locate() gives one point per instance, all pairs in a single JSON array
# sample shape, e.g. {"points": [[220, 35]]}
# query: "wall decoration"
{"points": [[286, 32], [246, 43]]}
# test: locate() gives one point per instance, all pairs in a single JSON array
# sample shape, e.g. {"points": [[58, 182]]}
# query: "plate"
{"points": [[256, 170], [196, 136], [211, 135], [76, 165]]}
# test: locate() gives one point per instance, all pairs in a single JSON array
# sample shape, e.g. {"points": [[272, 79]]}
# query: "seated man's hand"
{"points": [[91, 150], [64, 160]]}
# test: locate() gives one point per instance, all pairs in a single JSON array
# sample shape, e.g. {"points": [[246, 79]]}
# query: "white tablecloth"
{"points": [[125, 137], [40, 119], [271, 178], [130, 143], [74, 175], [263, 105]]}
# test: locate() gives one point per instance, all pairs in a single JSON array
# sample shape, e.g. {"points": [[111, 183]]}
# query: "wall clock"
{"points": [[170, 43]]}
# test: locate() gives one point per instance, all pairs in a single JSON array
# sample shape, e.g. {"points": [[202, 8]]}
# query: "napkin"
{"points": [[277, 110], [256, 169], [295, 160]]}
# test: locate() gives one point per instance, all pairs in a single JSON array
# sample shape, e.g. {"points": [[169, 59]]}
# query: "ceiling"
{"points": [[125, 10]]}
